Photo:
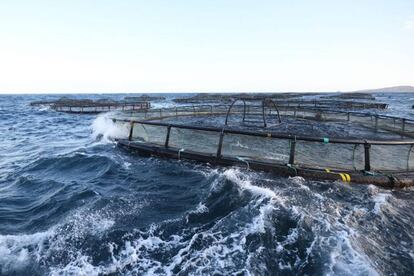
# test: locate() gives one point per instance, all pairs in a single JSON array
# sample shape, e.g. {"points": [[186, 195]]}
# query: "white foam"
{"points": [[44, 108], [201, 208], [219, 252], [14, 250], [346, 258], [299, 181], [104, 127], [80, 266], [244, 182], [380, 200]]}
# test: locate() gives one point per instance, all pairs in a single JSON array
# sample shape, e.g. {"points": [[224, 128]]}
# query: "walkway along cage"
{"points": [[385, 162]]}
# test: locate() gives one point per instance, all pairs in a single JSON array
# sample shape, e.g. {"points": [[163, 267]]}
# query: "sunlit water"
{"points": [[72, 203]]}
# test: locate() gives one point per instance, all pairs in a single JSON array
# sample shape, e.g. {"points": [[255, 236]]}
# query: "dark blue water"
{"points": [[72, 203]]}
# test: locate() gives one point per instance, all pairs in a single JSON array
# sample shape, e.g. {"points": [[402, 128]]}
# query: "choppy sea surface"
{"points": [[73, 203]]}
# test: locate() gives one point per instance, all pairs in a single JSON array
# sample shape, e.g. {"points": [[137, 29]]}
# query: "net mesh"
{"points": [[194, 140], [329, 156], [149, 133], [259, 148], [391, 157]]}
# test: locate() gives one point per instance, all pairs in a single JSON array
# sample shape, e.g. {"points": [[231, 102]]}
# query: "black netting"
{"points": [[149, 133], [194, 140], [273, 150], [329, 155], [391, 157]]}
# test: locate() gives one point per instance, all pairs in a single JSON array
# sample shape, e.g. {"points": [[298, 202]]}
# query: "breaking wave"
{"points": [[104, 128], [246, 223]]}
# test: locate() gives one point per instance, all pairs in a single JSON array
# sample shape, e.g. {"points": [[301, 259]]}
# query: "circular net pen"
{"points": [[318, 144]]}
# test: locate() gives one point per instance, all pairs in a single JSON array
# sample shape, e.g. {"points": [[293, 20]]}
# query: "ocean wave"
{"points": [[71, 203], [104, 129], [266, 232]]}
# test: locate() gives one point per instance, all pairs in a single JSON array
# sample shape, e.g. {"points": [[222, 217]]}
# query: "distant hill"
{"points": [[401, 89]]}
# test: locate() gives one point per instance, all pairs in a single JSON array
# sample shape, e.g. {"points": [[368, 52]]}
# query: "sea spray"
{"points": [[105, 129]]}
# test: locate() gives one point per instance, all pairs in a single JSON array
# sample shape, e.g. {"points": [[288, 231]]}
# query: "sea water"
{"points": [[73, 203]]}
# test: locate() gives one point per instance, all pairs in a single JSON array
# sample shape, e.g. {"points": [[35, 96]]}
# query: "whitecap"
{"points": [[105, 128]]}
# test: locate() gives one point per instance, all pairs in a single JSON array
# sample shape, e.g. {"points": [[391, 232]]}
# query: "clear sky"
{"points": [[228, 45]]}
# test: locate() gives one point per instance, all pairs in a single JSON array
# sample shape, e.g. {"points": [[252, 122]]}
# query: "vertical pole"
{"points": [[348, 117], [367, 156], [167, 138], [131, 131], [263, 113], [376, 122], [220, 144], [292, 151], [244, 110], [403, 125]]}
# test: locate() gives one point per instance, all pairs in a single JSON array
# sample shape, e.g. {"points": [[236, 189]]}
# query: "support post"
{"points": [[220, 144], [403, 125], [367, 156], [263, 113], [167, 138], [131, 131], [292, 151]]}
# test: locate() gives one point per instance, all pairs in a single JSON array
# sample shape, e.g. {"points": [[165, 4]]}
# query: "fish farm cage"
{"points": [[341, 104], [320, 144], [87, 106]]}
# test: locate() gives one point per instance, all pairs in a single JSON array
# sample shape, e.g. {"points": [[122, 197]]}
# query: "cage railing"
{"points": [[404, 126], [357, 152], [94, 107]]}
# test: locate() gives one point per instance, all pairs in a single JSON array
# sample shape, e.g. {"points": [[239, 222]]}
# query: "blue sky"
{"points": [[159, 46]]}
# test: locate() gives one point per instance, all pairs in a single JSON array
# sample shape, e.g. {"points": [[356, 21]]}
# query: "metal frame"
{"points": [[366, 175], [263, 105], [292, 138]]}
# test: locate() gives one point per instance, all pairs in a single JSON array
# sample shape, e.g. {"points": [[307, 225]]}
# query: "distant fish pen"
{"points": [[341, 104], [357, 147], [86, 106], [332, 104]]}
